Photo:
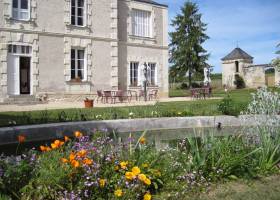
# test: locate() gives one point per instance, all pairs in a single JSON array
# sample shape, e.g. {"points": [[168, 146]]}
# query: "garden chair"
{"points": [[108, 95], [153, 95], [195, 94], [100, 95]]}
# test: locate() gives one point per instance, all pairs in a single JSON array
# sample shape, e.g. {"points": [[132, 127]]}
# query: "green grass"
{"points": [[262, 189]]}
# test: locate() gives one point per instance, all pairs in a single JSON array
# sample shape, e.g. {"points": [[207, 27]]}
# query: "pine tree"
{"points": [[187, 53]]}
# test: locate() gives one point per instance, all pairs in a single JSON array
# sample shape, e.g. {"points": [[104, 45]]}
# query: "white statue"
{"points": [[207, 79]]}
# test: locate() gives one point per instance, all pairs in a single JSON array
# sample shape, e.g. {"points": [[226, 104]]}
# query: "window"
{"points": [[141, 23], [236, 66], [21, 9], [134, 73], [77, 64], [78, 12], [152, 74], [19, 49]]}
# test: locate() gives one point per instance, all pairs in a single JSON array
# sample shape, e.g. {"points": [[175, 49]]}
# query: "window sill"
{"points": [[78, 27], [74, 82], [142, 38], [27, 21]]}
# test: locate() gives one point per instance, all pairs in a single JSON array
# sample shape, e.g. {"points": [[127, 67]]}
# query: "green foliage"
{"points": [[228, 106], [239, 82], [48, 178], [187, 53]]}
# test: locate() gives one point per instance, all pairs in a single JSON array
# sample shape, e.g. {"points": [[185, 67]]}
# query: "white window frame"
{"points": [[134, 76], [140, 26], [76, 13], [152, 80], [18, 10], [84, 70]]}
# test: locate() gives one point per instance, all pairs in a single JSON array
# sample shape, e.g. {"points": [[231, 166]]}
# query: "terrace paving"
{"points": [[68, 105]]}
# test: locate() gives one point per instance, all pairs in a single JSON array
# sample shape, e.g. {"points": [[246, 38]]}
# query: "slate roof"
{"points": [[152, 2], [237, 53]]}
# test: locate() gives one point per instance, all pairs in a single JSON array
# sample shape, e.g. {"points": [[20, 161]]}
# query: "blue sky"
{"points": [[254, 24]]}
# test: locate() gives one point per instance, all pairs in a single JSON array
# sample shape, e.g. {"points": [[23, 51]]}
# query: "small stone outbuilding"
{"points": [[240, 63]]}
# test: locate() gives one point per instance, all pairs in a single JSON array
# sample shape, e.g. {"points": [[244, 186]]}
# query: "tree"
{"points": [[187, 54], [276, 61]]}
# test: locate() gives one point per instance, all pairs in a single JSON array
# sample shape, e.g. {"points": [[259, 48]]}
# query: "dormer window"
{"points": [[141, 23], [21, 9], [78, 12]]}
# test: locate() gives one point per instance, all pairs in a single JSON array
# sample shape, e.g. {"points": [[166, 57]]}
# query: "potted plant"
{"points": [[88, 103]]}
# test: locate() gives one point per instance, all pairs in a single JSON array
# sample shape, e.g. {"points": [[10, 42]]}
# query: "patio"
{"points": [[80, 104]]}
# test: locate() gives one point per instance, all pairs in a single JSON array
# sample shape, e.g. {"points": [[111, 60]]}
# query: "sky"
{"points": [[252, 25]]}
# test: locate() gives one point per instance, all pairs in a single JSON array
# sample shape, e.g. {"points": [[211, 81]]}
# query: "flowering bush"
{"points": [[84, 168]]}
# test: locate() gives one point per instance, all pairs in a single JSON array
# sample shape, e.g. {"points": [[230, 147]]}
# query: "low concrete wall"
{"points": [[43, 132]]}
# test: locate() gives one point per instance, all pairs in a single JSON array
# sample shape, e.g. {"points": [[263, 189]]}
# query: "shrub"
{"points": [[229, 107], [239, 82], [184, 86]]}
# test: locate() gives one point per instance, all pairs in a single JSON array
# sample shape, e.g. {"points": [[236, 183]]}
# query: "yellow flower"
{"points": [[142, 140], [147, 196], [142, 177], [136, 170], [75, 163], [130, 176], [118, 193], [87, 161], [124, 164], [145, 165], [116, 168], [78, 134], [102, 182], [147, 181], [157, 173]]}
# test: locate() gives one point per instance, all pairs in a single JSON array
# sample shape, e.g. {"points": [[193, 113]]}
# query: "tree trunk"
{"points": [[190, 79]]}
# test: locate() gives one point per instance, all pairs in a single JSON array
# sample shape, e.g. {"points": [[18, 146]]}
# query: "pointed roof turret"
{"points": [[237, 53]]}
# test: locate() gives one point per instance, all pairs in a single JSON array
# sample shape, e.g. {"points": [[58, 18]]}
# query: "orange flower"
{"points": [[43, 148], [66, 139], [48, 149], [87, 161], [64, 160], [75, 163], [78, 134], [54, 146], [72, 156], [82, 153], [142, 140], [21, 138]]}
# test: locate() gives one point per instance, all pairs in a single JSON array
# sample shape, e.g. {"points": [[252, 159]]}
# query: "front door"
{"points": [[13, 75], [24, 75]]}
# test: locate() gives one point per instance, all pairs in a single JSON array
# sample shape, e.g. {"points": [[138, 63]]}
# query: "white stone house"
{"points": [[240, 63], [75, 47]]}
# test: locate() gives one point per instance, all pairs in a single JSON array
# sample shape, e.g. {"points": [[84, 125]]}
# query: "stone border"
{"points": [[44, 132]]}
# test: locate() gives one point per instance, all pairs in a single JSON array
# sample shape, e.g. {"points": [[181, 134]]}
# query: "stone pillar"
{"points": [[277, 77]]}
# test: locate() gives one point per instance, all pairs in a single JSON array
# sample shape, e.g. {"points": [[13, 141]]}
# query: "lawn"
{"points": [[267, 188], [171, 109]]}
